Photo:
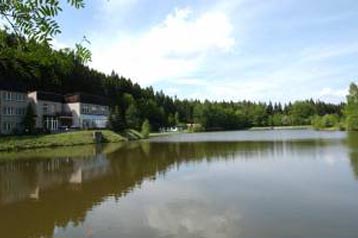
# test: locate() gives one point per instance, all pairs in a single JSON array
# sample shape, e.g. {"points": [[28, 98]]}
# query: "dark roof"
{"points": [[47, 96], [9, 85], [86, 98]]}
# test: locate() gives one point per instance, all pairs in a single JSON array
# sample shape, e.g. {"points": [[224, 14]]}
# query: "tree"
{"points": [[36, 20], [29, 120], [301, 112], [116, 122], [146, 128], [351, 109], [176, 118], [132, 116]]}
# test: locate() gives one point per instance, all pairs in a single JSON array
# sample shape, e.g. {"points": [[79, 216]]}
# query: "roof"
{"points": [[86, 98], [47, 96], [8, 85]]}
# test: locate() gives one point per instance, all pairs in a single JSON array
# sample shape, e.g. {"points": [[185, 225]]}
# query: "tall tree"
{"points": [[132, 116], [351, 109], [116, 121]]}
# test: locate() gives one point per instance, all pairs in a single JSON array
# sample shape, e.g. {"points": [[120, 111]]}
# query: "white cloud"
{"points": [[192, 218], [174, 48], [58, 45], [194, 53], [333, 92]]}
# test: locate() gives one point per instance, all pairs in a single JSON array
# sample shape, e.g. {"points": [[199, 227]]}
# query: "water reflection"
{"points": [[352, 141], [39, 197]]}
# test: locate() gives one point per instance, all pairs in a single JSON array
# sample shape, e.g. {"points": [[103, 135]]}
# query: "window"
{"points": [[53, 108], [20, 111], [20, 97], [13, 96], [45, 108], [7, 126], [8, 96], [8, 111], [85, 109]]}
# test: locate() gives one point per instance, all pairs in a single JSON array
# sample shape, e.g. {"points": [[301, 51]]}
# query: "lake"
{"points": [[252, 184]]}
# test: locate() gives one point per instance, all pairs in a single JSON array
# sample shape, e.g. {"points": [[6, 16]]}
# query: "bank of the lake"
{"points": [[54, 140], [305, 127], [75, 138]]}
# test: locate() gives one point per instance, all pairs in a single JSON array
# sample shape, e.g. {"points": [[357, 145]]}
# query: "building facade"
{"points": [[13, 106], [88, 111], [53, 111], [48, 108]]}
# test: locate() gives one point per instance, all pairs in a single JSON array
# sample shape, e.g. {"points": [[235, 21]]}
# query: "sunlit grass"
{"points": [[53, 140]]}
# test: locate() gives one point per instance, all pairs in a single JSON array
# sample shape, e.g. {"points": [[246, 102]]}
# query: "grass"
{"points": [[131, 134], [54, 140], [81, 151]]}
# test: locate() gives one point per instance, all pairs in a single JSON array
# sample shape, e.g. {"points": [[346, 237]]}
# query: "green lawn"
{"points": [[62, 139]]}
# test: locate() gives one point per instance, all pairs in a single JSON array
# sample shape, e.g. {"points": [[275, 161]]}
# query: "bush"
{"points": [[326, 121], [146, 128], [196, 128]]}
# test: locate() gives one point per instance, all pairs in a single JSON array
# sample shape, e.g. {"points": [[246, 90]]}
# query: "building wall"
{"points": [[44, 108], [13, 106], [74, 108], [13, 109], [86, 115], [94, 109], [93, 116]]}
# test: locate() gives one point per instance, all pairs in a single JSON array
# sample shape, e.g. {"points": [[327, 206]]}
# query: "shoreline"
{"points": [[308, 127], [81, 138], [66, 139]]}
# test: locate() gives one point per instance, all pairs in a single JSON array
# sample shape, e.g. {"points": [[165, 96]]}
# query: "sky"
{"points": [[260, 50]]}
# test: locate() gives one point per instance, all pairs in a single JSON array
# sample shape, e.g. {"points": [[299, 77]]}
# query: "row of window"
{"points": [[10, 126], [96, 110], [14, 96], [94, 123], [12, 111], [48, 108]]}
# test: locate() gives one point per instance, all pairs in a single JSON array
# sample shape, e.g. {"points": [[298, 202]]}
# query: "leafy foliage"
{"points": [[351, 109], [116, 120], [34, 18], [146, 128]]}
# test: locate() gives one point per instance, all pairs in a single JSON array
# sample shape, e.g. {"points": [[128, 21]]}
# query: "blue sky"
{"points": [[260, 50]]}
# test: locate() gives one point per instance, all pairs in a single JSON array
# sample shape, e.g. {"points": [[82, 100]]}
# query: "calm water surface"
{"points": [[225, 184]]}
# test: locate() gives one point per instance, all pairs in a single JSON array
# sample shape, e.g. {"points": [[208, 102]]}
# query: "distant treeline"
{"points": [[39, 67]]}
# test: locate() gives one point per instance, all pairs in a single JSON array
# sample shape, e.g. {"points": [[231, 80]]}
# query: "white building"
{"points": [[52, 110], [13, 104], [88, 111]]}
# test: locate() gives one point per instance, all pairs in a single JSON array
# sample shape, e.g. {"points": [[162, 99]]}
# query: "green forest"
{"points": [[39, 67]]}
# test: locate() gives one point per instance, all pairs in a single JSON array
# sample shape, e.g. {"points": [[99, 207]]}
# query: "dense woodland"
{"points": [[39, 67]]}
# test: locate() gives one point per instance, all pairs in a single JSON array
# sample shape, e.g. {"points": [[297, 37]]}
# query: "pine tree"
{"points": [[132, 116], [116, 120], [29, 120]]}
